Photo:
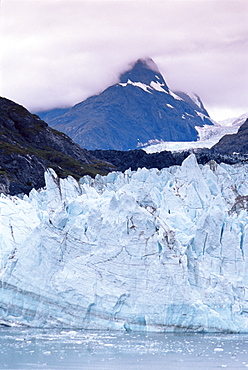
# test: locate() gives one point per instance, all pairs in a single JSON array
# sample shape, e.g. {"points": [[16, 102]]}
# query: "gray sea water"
{"points": [[81, 349]]}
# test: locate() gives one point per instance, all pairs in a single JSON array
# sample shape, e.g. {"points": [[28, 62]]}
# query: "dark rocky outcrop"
{"points": [[28, 146], [138, 158]]}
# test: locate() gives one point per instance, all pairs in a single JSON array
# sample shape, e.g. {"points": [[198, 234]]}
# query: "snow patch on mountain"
{"points": [[141, 85], [142, 250], [154, 85], [175, 96], [158, 86]]}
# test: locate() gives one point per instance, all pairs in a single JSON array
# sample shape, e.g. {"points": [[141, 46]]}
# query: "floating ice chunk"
{"points": [[219, 349]]}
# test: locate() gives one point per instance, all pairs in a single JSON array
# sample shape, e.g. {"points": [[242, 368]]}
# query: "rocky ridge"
{"points": [[28, 146]]}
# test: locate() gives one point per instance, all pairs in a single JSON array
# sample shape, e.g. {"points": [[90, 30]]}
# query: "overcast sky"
{"points": [[56, 53]]}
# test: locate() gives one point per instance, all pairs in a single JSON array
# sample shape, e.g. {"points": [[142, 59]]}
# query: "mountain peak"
{"points": [[144, 71], [132, 112], [147, 63]]}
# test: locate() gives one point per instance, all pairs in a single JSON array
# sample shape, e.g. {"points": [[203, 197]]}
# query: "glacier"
{"points": [[146, 250]]}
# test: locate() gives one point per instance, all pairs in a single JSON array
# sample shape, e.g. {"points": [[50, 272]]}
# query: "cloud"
{"points": [[57, 53]]}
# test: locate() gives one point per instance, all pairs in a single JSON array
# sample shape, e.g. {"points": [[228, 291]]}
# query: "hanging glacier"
{"points": [[150, 250]]}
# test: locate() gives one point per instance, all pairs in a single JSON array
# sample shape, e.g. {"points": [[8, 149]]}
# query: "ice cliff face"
{"points": [[147, 250]]}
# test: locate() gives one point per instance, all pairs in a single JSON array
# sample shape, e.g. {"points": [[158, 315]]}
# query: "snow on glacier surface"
{"points": [[145, 250]]}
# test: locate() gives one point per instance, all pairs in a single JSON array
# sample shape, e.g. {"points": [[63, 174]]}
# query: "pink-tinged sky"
{"points": [[56, 53]]}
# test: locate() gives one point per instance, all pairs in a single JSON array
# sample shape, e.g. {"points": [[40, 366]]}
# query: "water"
{"points": [[67, 349]]}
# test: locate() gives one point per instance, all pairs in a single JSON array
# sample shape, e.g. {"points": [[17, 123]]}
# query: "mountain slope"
{"points": [[134, 111], [236, 143], [28, 146], [51, 114]]}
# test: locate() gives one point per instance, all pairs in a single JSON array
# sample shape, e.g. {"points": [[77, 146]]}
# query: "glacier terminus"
{"points": [[146, 250]]}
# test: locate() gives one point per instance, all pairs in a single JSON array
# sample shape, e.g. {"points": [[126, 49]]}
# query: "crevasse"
{"points": [[146, 250]]}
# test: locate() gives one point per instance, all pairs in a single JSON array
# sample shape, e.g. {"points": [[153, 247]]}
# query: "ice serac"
{"points": [[144, 250]]}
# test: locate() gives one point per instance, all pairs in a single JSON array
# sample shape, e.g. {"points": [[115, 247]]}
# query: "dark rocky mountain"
{"points": [[28, 146], [235, 143], [139, 108]]}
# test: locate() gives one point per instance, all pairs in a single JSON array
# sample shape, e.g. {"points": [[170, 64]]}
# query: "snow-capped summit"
{"points": [[144, 71], [137, 109]]}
